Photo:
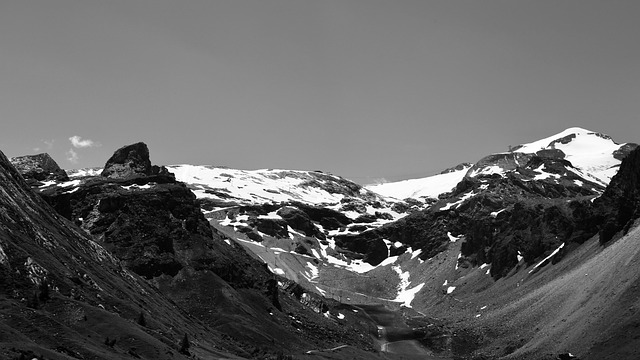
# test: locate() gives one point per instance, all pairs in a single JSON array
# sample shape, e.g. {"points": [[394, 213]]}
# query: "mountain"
{"points": [[525, 254], [593, 157], [468, 233], [137, 240], [64, 296]]}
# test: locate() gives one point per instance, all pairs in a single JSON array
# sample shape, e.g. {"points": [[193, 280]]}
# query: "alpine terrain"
{"points": [[532, 253]]}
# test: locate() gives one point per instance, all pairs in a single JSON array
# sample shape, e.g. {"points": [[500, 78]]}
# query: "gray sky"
{"points": [[365, 89]]}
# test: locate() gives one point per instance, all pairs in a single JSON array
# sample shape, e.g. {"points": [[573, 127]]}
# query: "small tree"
{"points": [[184, 345]]}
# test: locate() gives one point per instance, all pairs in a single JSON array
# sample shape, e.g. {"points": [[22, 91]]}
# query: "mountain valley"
{"points": [[527, 254]]}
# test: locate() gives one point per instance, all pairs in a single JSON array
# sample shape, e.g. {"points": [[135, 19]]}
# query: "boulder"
{"points": [[298, 220]]}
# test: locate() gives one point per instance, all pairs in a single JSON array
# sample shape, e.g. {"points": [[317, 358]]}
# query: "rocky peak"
{"points": [[40, 167], [129, 161], [458, 167]]}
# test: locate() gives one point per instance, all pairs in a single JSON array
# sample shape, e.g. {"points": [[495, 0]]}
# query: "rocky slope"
{"points": [[63, 295], [148, 223]]}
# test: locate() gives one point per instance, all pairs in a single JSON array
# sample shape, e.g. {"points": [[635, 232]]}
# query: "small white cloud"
{"points": [[79, 142], [72, 156], [48, 145]]}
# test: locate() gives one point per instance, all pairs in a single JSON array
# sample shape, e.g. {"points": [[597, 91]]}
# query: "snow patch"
{"points": [[314, 271], [464, 198], [495, 213], [452, 238], [429, 187], [547, 258], [405, 294]]}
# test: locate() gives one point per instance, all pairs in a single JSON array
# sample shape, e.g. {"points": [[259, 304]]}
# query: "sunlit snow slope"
{"points": [[593, 156], [266, 185], [428, 187]]}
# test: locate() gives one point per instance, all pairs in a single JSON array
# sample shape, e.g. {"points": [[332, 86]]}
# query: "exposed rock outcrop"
{"points": [[40, 167], [131, 161], [620, 202]]}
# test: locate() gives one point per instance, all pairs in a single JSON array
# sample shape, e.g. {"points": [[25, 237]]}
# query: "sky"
{"points": [[366, 89]]}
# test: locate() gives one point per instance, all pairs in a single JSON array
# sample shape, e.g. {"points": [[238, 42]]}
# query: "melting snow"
{"points": [[70, 183], [489, 170], [314, 271], [416, 253], [452, 238], [271, 215], [547, 258], [256, 186], [388, 261], [405, 294], [134, 186], [464, 198], [495, 213]]}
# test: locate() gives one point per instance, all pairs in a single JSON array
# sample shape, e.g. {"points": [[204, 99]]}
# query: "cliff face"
{"points": [[620, 202]]}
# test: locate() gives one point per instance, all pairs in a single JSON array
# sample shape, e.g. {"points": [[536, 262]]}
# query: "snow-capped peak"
{"points": [[549, 142], [588, 151]]}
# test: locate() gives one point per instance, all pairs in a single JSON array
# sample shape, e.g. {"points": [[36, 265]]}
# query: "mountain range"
{"points": [[530, 253]]}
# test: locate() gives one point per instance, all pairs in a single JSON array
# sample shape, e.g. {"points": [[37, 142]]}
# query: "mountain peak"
{"points": [[39, 167], [565, 137], [128, 161]]}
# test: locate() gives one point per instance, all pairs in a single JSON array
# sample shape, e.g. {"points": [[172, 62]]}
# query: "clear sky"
{"points": [[365, 89]]}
